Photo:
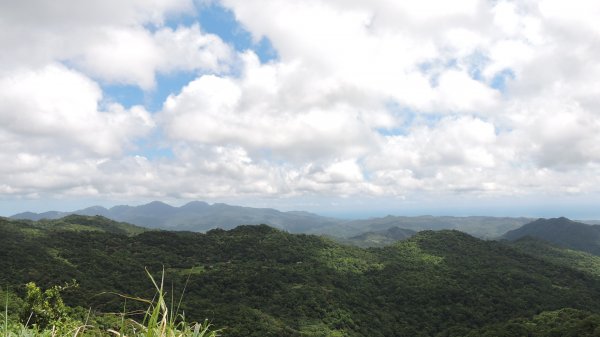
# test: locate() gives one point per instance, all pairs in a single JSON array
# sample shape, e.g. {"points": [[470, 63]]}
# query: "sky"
{"points": [[340, 107]]}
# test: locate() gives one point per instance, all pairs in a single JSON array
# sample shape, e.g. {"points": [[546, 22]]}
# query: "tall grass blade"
{"points": [[6, 315], [187, 280], [123, 319]]}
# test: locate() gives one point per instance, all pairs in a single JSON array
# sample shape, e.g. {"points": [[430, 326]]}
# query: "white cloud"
{"points": [[127, 56], [56, 109], [271, 110], [459, 92], [578, 14], [36, 32], [120, 42], [188, 48], [54, 130], [135, 55], [429, 154]]}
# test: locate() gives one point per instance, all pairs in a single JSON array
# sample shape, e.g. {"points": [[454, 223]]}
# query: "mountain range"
{"points": [[200, 216], [197, 216], [260, 281]]}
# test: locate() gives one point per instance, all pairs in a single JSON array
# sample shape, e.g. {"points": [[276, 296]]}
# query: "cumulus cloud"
{"points": [[121, 42], [56, 129], [35, 31], [271, 110], [135, 55], [54, 109]]}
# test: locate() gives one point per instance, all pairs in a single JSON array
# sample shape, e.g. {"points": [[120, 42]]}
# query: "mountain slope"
{"points": [[564, 322], [562, 232], [379, 238], [259, 281], [585, 262]]}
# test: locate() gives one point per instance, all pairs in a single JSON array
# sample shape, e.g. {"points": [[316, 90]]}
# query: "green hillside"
{"points": [[259, 281], [563, 323], [378, 238], [561, 231], [76, 223], [575, 259]]}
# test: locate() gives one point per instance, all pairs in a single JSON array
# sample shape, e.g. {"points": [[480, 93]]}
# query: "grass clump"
{"points": [[44, 314], [162, 320]]}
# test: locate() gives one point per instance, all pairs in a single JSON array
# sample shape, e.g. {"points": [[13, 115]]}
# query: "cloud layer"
{"points": [[371, 99]]}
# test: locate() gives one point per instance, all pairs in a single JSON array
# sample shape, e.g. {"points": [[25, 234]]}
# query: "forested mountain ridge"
{"points": [[260, 281], [379, 238], [72, 223], [562, 232], [555, 254]]}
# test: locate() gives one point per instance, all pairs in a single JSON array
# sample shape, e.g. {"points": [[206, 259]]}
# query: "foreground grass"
{"points": [[159, 320]]}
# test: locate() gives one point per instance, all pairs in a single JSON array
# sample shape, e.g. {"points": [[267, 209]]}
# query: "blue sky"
{"points": [[470, 107]]}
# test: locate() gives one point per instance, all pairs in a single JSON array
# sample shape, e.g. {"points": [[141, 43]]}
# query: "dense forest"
{"points": [[260, 281]]}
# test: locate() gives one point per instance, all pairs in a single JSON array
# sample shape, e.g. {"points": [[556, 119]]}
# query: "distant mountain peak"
{"points": [[38, 216], [194, 204], [157, 203], [561, 218], [97, 207], [560, 231]]}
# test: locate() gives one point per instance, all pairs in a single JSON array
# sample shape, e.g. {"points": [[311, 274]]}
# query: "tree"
{"points": [[45, 308]]}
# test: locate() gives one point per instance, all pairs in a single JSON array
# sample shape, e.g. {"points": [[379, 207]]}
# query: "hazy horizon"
{"points": [[350, 212]]}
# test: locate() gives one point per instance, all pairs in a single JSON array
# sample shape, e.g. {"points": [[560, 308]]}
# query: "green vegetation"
{"points": [[575, 259], [45, 309], [564, 323], [80, 223], [43, 313], [259, 281]]}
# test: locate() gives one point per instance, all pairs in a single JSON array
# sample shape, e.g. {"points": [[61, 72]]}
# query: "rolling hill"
{"points": [[379, 238]]}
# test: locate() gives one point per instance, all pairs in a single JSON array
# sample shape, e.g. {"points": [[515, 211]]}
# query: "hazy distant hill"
{"points": [[562, 232], [480, 226], [39, 216], [77, 223], [380, 238], [200, 216]]}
